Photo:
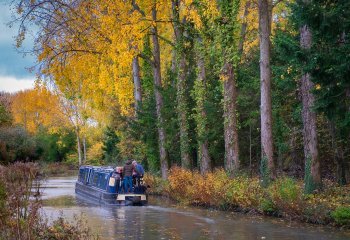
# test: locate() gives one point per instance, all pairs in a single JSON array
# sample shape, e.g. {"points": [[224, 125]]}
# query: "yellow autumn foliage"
{"points": [[37, 107]]}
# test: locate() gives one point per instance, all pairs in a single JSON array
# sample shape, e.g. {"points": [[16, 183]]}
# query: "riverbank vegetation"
{"points": [[258, 88], [284, 197], [21, 216]]}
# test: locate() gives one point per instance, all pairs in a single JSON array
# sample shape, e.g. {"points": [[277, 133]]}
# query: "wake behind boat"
{"points": [[99, 184]]}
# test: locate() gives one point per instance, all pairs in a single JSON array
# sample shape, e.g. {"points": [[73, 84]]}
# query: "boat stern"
{"points": [[132, 199]]}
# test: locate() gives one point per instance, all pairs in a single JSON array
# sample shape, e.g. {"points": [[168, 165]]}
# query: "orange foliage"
{"points": [[35, 108]]}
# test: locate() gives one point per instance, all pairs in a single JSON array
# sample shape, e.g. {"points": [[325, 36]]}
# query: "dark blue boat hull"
{"points": [[104, 197]]}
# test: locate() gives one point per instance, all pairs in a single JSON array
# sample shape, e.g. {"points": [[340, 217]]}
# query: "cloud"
{"points": [[13, 84], [13, 63]]}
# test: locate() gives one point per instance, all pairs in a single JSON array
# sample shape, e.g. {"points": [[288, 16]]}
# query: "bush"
{"points": [[341, 215], [244, 192], [286, 196], [20, 208], [157, 185], [16, 145], [283, 197], [268, 207], [180, 184]]}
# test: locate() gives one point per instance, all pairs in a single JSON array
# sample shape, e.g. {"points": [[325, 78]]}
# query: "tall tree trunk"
{"points": [[202, 128], [229, 12], [79, 149], [137, 83], [312, 163], [230, 120], [159, 98], [265, 86], [182, 109], [243, 28], [84, 149]]}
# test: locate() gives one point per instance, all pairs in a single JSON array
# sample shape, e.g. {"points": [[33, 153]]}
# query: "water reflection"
{"points": [[160, 220]]}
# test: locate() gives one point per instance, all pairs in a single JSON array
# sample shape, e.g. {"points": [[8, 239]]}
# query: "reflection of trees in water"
{"points": [[129, 222], [170, 223]]}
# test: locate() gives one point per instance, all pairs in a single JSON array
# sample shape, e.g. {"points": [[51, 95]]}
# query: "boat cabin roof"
{"points": [[106, 169]]}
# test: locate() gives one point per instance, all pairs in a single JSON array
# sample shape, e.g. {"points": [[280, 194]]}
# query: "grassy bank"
{"points": [[283, 198], [20, 208], [58, 169]]}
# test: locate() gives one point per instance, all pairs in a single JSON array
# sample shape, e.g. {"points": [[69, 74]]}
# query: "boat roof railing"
{"points": [[99, 168]]}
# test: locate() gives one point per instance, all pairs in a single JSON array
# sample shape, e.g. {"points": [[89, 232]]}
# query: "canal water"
{"points": [[162, 220]]}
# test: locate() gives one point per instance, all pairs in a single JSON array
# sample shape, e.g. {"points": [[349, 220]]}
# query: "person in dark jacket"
{"points": [[127, 174], [118, 175]]}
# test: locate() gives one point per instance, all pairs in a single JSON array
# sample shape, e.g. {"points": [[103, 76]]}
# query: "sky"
{"points": [[14, 74]]}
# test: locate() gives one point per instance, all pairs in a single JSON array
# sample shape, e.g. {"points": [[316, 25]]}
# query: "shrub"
{"points": [[341, 215], [267, 206], [209, 189], [20, 204], [61, 229], [157, 185], [180, 184], [244, 192], [283, 197], [286, 195]]}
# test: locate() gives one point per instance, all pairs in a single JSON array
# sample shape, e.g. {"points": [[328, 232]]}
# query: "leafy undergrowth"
{"points": [[284, 197], [20, 208]]}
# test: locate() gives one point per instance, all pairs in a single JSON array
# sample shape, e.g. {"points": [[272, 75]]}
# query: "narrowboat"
{"points": [[99, 184]]}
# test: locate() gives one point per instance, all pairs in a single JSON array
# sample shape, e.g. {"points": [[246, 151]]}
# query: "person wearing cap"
{"points": [[138, 172]]}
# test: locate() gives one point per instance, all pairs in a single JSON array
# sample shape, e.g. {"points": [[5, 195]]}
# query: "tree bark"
{"points": [[230, 119], [202, 128], [79, 150], [84, 149], [182, 108], [309, 117], [265, 85], [137, 83], [243, 28], [159, 98]]}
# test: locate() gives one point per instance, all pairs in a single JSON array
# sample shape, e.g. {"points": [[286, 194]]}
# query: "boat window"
{"points": [[95, 179], [103, 181], [89, 178], [86, 175], [81, 175]]}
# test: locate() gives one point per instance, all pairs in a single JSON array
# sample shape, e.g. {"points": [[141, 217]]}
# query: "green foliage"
{"points": [[287, 189], [144, 127], [267, 206], [5, 116], [248, 107], [309, 184], [264, 172], [110, 150], [16, 145], [54, 147], [341, 215], [3, 197]]}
